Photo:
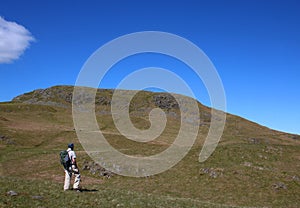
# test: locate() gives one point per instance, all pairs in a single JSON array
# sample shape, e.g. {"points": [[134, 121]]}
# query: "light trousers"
{"points": [[68, 176]]}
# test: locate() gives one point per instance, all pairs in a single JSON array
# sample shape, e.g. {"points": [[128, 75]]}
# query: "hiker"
{"points": [[72, 169]]}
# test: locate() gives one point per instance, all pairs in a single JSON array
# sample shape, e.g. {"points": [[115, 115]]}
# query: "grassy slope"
{"points": [[239, 173]]}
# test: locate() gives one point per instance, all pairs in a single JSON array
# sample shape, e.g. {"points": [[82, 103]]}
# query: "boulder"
{"points": [[12, 193]]}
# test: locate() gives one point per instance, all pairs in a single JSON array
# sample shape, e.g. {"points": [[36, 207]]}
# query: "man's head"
{"points": [[71, 146]]}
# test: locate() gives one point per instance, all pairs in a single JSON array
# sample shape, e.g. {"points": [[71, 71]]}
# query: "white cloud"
{"points": [[14, 39]]}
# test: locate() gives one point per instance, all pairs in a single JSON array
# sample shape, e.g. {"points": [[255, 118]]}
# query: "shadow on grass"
{"points": [[85, 190], [88, 190]]}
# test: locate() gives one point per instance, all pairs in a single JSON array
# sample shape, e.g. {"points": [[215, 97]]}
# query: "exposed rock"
{"points": [[96, 169], [247, 164], [6, 140], [12, 193], [62, 96], [102, 100], [254, 140], [212, 172], [165, 101], [54, 96], [279, 186]]}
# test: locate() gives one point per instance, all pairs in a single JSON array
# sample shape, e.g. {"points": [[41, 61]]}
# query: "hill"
{"points": [[252, 165]]}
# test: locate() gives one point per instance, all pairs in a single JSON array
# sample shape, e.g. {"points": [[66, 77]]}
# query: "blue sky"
{"points": [[254, 45]]}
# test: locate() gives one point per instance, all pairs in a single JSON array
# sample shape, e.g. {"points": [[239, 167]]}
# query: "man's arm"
{"points": [[74, 161]]}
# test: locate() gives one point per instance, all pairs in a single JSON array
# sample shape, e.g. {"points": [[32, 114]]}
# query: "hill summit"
{"points": [[143, 102]]}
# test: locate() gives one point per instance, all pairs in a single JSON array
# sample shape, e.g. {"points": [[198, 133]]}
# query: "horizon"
{"points": [[253, 45]]}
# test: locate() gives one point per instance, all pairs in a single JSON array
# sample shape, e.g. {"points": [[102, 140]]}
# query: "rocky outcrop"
{"points": [[141, 104], [96, 169], [61, 96], [165, 101]]}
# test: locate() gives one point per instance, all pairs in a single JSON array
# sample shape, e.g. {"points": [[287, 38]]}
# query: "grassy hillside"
{"points": [[252, 166]]}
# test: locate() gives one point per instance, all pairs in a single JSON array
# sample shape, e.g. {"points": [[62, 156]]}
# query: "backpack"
{"points": [[65, 159]]}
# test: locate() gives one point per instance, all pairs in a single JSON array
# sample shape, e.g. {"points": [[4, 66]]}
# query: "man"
{"points": [[73, 169]]}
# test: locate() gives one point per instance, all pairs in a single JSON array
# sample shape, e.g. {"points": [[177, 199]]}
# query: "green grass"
{"points": [[239, 172], [30, 171], [51, 195]]}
